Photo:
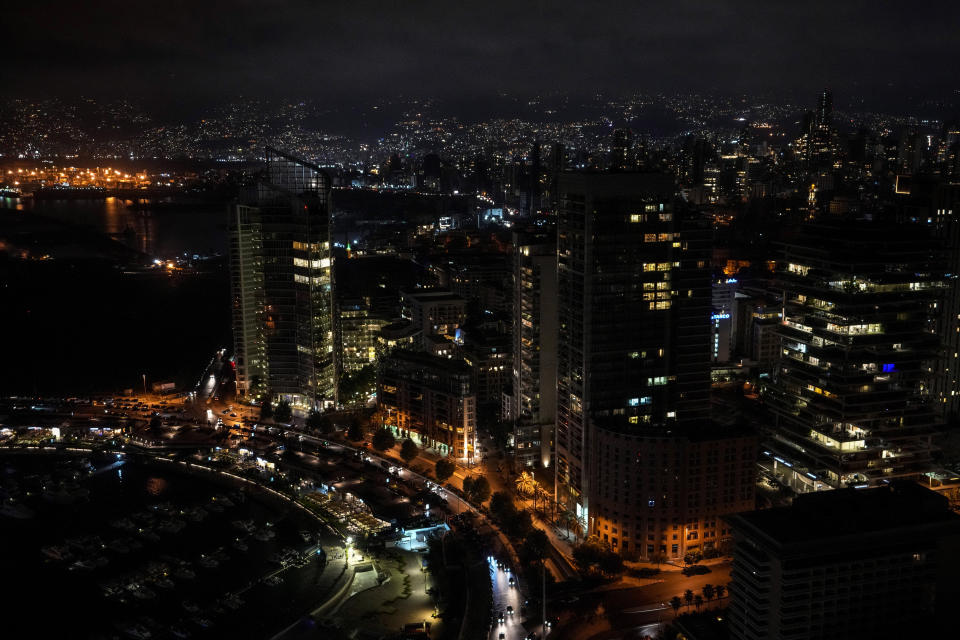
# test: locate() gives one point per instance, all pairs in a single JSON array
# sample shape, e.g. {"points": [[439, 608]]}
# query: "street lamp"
{"points": [[144, 376]]}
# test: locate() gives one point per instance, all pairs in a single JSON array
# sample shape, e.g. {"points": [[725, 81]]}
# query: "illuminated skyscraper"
{"points": [[820, 143], [282, 283], [534, 346], [851, 392], [621, 151], [633, 361]]}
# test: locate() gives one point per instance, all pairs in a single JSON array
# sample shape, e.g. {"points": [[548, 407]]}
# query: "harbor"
{"points": [[143, 550]]}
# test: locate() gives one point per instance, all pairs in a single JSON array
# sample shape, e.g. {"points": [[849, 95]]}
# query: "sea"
{"points": [[47, 598], [78, 326], [160, 232]]}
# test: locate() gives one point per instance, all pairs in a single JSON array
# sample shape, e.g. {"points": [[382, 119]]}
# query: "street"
{"points": [[505, 595], [638, 606]]}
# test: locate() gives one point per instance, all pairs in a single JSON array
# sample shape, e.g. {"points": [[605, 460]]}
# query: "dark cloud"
{"points": [[321, 48]]}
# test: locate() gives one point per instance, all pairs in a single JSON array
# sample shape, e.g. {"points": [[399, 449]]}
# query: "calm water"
{"points": [[85, 327], [162, 233], [50, 600]]}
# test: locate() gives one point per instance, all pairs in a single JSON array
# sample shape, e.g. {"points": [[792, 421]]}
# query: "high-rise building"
{"points": [[621, 151], [633, 331], [824, 116], [723, 319], [664, 493], [282, 285], [934, 203], [489, 356], [358, 329], [432, 398], [820, 138], [534, 401], [851, 392], [434, 312], [846, 565]]}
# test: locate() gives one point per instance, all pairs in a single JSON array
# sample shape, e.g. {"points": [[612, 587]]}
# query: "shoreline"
{"points": [[269, 496]]}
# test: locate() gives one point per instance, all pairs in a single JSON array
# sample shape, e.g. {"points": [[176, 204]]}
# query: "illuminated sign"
{"points": [[720, 316]]}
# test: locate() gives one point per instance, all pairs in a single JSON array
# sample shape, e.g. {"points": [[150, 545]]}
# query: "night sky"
{"points": [[189, 50]]}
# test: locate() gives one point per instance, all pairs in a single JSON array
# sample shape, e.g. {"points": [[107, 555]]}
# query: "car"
{"points": [[512, 582], [502, 635], [500, 618], [510, 611], [531, 636]]}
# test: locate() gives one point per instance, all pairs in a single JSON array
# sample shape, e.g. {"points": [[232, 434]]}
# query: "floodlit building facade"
{"points": [[431, 398], [633, 358]]}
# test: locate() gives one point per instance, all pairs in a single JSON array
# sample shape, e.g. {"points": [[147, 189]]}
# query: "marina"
{"points": [[161, 554]]}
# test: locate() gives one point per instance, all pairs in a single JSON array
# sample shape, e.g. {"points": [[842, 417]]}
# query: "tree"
{"points": [[526, 484], [688, 597], [611, 563], [409, 450], [383, 439], [356, 387], [569, 520], [355, 431], [720, 589], [586, 554], [315, 420], [593, 554], [266, 411], [522, 524], [479, 489], [676, 603], [543, 495], [698, 601], [283, 412], [444, 469], [708, 592], [502, 507], [534, 547], [500, 432], [327, 426]]}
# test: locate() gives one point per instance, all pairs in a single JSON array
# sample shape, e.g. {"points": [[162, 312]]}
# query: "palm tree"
{"points": [[688, 597], [708, 592], [676, 603], [698, 600], [526, 484], [569, 520], [720, 589]]}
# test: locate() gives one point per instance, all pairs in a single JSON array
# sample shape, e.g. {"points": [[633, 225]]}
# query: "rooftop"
{"points": [[432, 295], [827, 515]]}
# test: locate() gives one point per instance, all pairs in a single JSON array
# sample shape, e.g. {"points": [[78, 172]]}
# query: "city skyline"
{"points": [[480, 321]]}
